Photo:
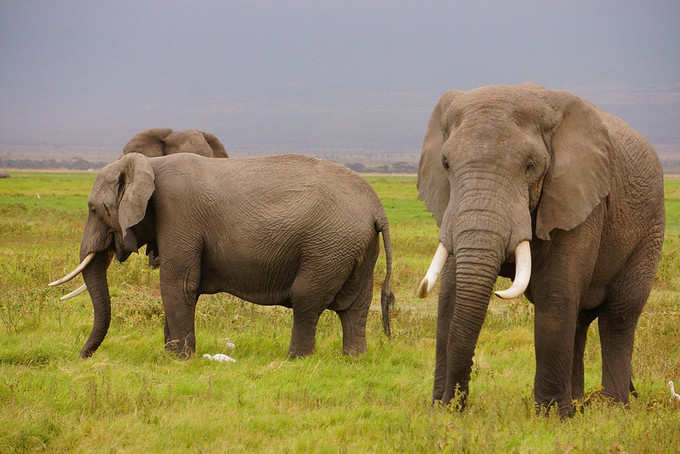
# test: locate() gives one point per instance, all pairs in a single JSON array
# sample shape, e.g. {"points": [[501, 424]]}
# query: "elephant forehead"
{"points": [[518, 105], [189, 137]]}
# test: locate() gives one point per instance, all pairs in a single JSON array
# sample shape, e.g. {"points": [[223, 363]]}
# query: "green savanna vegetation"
{"points": [[133, 397]]}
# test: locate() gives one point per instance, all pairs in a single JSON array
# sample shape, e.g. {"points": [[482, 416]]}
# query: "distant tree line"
{"points": [[395, 167], [670, 165], [75, 163]]}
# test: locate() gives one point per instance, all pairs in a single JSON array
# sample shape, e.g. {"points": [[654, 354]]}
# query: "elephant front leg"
{"points": [[179, 291], [554, 334]]}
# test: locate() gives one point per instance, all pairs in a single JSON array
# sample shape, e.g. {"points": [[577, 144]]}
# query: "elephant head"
{"points": [[164, 141], [118, 223], [501, 167]]}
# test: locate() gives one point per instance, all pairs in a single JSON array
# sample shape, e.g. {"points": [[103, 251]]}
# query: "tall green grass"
{"points": [[133, 397]]}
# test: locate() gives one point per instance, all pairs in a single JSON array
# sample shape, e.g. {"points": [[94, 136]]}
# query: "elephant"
{"points": [[161, 142], [164, 141], [287, 230], [544, 186]]}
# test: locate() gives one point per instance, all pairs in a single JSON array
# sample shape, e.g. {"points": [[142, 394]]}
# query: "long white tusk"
{"points": [[75, 272], [433, 271], [76, 292], [522, 272]]}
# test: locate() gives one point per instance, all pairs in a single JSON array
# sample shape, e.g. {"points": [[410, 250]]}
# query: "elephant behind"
{"points": [[285, 230], [164, 141], [157, 142], [542, 185]]}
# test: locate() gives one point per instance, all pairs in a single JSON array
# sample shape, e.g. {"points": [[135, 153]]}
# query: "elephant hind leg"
{"points": [[619, 315], [354, 300], [309, 296]]}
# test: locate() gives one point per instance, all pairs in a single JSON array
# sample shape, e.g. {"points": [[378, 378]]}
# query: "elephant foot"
{"points": [[293, 354], [455, 400], [353, 331], [563, 410], [181, 348]]}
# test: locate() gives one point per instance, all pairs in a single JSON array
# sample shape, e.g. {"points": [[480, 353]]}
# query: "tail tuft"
{"points": [[386, 302]]}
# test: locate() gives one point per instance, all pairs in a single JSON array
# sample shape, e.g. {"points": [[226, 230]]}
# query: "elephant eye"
{"points": [[530, 166], [445, 163]]}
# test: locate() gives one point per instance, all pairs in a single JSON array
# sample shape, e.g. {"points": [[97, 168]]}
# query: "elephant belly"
{"points": [[254, 279]]}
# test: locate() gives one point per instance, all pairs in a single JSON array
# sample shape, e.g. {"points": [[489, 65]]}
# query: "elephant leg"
{"points": [[618, 318], [353, 331], [447, 297], [179, 291], [585, 318], [303, 337], [554, 334], [558, 283], [356, 295]]}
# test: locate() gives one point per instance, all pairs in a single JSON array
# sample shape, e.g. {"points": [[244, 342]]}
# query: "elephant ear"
{"points": [[579, 176], [150, 142], [217, 147], [433, 181], [135, 187]]}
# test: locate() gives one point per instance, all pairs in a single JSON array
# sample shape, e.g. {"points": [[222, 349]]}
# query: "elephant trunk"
{"points": [[476, 269], [95, 279]]}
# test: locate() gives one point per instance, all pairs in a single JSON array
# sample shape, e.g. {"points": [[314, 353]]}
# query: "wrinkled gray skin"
{"points": [[503, 164], [287, 230], [164, 141]]}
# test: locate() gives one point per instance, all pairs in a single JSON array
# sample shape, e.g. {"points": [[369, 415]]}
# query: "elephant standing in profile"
{"points": [[285, 230], [164, 141], [545, 186]]}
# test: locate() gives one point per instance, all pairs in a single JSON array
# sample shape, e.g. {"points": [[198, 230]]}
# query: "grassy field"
{"points": [[132, 397]]}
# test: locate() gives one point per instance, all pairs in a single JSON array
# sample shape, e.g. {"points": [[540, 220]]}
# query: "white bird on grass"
{"points": [[220, 357], [673, 393]]}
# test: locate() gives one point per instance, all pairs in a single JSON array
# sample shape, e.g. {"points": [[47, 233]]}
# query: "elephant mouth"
{"points": [[121, 252], [522, 262]]}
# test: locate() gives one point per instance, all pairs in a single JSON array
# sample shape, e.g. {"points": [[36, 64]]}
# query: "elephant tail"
{"points": [[386, 295]]}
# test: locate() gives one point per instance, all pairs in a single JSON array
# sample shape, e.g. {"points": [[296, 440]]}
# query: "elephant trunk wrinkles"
{"points": [[479, 255], [95, 279]]}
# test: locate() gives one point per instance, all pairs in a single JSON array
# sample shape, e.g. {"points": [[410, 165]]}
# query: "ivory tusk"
{"points": [[76, 292], [433, 271], [75, 272], [522, 272]]}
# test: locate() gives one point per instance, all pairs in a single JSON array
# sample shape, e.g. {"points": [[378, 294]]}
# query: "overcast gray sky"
{"points": [[319, 73]]}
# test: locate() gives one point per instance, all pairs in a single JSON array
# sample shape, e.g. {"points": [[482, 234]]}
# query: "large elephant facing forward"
{"points": [[542, 185], [284, 230], [164, 141]]}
